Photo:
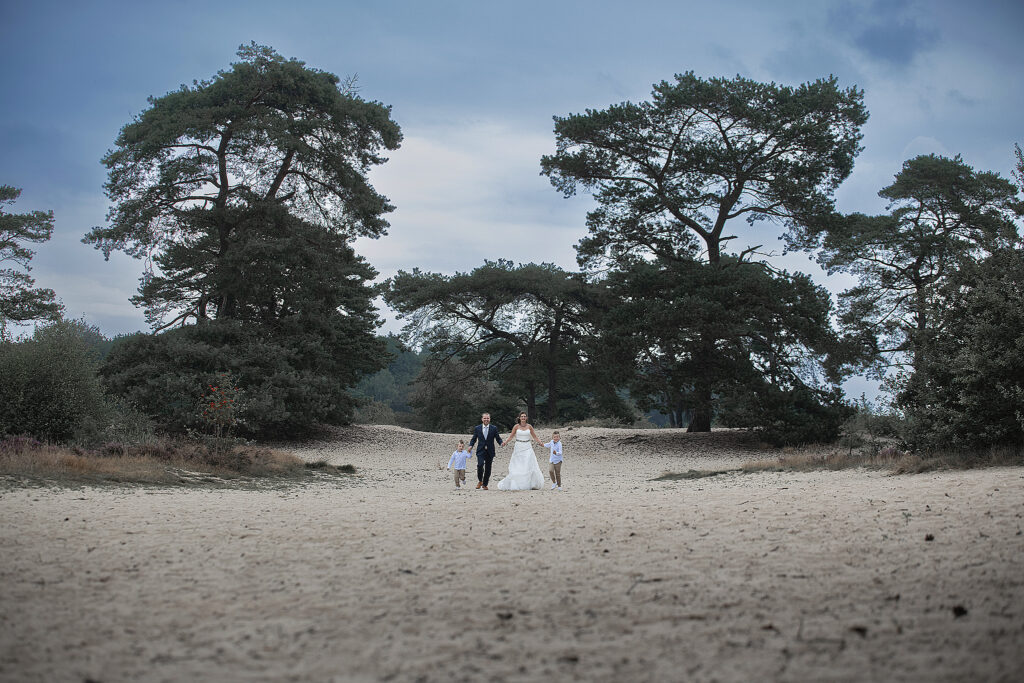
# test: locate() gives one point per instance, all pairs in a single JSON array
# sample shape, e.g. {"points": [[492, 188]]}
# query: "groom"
{"points": [[487, 434]]}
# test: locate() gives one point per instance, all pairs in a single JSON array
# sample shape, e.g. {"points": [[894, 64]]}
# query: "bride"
{"points": [[523, 471]]}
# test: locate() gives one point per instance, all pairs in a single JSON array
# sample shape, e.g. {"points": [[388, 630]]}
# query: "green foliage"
{"points": [[701, 153], [49, 388], [943, 215], [449, 396], [668, 176], [373, 412], [968, 392], [933, 302], [20, 301], [790, 417], [201, 179], [289, 380], [871, 426], [301, 334], [520, 325], [755, 344], [390, 387]]}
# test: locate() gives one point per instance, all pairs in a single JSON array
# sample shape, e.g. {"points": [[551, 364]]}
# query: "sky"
{"points": [[474, 85]]}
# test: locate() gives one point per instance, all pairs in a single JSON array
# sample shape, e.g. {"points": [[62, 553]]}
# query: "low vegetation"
{"points": [[163, 462], [889, 458]]}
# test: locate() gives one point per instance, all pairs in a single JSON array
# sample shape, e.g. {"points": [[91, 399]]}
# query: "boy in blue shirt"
{"points": [[459, 460], [555, 445]]}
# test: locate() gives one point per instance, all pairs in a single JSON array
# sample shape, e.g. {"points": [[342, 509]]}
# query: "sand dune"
{"points": [[391, 574]]}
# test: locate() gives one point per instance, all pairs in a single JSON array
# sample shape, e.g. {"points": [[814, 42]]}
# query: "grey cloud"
{"points": [[896, 43], [884, 31], [959, 98]]}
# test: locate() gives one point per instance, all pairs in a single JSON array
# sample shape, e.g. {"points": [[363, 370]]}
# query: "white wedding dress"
{"points": [[523, 471]]}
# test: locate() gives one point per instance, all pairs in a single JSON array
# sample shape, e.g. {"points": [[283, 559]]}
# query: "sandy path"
{"points": [[391, 575]]}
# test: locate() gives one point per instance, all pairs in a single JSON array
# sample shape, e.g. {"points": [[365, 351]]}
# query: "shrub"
{"points": [[450, 396], [158, 461], [374, 412], [968, 391], [287, 382], [804, 416], [789, 417], [49, 387]]}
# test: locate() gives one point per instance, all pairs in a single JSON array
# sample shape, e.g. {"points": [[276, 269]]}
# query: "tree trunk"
{"points": [[552, 411], [552, 415], [680, 413], [701, 420], [531, 400], [714, 251]]}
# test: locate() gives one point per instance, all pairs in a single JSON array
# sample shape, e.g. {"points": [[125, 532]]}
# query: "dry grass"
{"points": [[797, 460], [56, 462], [959, 460], [167, 462], [888, 458]]}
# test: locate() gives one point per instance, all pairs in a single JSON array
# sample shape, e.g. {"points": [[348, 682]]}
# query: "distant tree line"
{"points": [[242, 195]]}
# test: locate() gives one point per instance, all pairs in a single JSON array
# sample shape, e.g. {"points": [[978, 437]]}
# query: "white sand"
{"points": [[393, 575]]}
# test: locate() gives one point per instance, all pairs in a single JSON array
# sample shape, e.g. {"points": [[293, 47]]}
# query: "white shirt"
{"points": [[556, 450], [458, 459]]}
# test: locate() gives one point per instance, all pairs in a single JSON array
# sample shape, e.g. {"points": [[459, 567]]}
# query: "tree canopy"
{"points": [[768, 334], [702, 153], [521, 324], [943, 215], [670, 174], [20, 300], [189, 178], [968, 391]]}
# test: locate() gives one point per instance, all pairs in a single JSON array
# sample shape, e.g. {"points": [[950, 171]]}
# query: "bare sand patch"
{"points": [[394, 575]]}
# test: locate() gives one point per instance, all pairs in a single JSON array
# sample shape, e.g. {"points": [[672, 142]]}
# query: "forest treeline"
{"points": [[241, 195]]}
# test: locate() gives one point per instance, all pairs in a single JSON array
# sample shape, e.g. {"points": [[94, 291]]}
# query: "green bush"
{"points": [[374, 412], [449, 397], [789, 417], [49, 387], [287, 383], [968, 392], [804, 416]]}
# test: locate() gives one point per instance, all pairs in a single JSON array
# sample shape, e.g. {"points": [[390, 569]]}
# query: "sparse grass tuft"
{"points": [[889, 458], [692, 474], [324, 466]]}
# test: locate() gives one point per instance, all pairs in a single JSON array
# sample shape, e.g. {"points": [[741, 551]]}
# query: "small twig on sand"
{"points": [[639, 581]]}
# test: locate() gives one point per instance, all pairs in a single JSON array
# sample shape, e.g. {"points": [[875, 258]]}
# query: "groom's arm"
{"points": [[473, 440]]}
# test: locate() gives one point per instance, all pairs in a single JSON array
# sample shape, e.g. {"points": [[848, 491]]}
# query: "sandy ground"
{"points": [[392, 574]]}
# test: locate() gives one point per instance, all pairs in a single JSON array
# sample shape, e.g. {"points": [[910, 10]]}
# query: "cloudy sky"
{"points": [[474, 85]]}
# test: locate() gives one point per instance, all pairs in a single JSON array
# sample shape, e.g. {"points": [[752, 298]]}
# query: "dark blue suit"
{"points": [[484, 451]]}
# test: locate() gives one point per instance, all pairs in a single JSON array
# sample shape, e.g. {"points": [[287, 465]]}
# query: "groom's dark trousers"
{"points": [[484, 451]]}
